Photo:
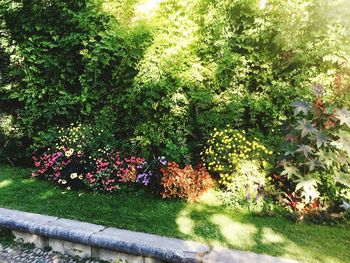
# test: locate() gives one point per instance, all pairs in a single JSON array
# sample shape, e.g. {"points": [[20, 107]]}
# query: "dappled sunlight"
{"points": [[210, 198], [185, 224], [5, 183], [6, 123], [263, 3], [123, 10], [207, 222], [270, 237], [146, 9], [236, 233]]}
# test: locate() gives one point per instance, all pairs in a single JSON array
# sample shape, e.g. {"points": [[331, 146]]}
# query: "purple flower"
{"points": [[144, 178]]}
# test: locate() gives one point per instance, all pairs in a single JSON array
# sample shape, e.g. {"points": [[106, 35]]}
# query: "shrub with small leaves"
{"points": [[228, 149], [249, 188], [318, 149], [188, 183], [81, 137]]}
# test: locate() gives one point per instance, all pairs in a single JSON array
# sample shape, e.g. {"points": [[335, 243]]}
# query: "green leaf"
{"points": [[306, 128], [289, 149], [313, 163], [343, 116], [321, 139], [290, 171], [305, 149], [326, 158], [301, 106]]}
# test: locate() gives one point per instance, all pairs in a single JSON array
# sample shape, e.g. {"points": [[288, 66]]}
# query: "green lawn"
{"points": [[205, 221]]}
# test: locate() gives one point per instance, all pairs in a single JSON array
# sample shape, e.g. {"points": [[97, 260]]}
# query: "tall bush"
{"points": [[161, 85]]}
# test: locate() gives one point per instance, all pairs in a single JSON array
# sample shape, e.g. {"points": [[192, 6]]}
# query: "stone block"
{"points": [[115, 256], [225, 255], [69, 230], [38, 241], [148, 245], [70, 248], [22, 221], [151, 260]]}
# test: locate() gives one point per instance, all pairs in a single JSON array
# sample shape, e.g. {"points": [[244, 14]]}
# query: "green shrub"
{"points": [[85, 138], [163, 83], [217, 62]]}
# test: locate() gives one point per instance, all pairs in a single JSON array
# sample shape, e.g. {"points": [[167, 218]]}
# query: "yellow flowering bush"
{"points": [[228, 149]]}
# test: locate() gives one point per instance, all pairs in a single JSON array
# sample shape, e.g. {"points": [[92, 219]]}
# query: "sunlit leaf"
{"points": [[301, 106], [343, 143], [290, 170], [343, 116], [308, 186]]}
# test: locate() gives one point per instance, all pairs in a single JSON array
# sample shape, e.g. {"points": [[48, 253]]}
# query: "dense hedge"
{"points": [[159, 86]]}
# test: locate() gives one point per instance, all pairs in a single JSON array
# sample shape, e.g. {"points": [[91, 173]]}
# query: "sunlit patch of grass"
{"points": [[5, 183]]}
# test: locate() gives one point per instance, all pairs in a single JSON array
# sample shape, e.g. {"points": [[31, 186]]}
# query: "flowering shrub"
{"points": [[228, 149], [109, 172], [105, 173], [152, 171], [317, 156], [187, 183], [249, 188], [64, 167]]}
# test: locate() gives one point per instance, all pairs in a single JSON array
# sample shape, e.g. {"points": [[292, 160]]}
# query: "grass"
{"points": [[204, 221]]}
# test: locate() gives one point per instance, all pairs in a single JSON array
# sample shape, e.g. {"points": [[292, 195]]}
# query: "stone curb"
{"points": [[133, 243]]}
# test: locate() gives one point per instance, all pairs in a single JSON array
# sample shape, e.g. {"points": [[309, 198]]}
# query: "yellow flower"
{"points": [[74, 175]]}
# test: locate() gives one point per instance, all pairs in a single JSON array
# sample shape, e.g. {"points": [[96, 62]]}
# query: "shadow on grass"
{"points": [[206, 221], [275, 236]]}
